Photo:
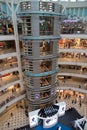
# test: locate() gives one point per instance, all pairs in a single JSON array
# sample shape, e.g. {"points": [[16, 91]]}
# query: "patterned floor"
{"points": [[19, 118], [15, 121], [81, 109]]}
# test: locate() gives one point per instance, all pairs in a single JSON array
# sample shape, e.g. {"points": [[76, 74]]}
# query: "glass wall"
{"points": [[25, 5]]}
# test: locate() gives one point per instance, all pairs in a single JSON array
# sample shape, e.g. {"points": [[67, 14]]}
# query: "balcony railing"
{"points": [[76, 60], [72, 71], [9, 50], [8, 66], [73, 28], [73, 32], [8, 79], [13, 99], [63, 46], [73, 84], [9, 95]]}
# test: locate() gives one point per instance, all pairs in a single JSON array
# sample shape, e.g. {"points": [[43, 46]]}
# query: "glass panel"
{"points": [[46, 25], [45, 81], [85, 12], [25, 5], [45, 94], [46, 47], [80, 12], [28, 49], [29, 66], [45, 66], [46, 6], [26, 26], [76, 11]]}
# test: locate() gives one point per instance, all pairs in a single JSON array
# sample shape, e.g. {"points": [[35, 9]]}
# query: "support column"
{"points": [[14, 19]]}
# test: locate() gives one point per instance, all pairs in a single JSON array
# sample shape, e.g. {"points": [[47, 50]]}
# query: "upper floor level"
{"points": [[6, 48]]}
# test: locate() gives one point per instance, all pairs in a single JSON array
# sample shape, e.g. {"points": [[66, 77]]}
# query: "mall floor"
{"points": [[18, 117]]}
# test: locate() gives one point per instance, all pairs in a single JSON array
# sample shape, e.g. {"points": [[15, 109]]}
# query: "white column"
{"points": [[78, 12], [83, 13], [74, 12], [14, 19]]}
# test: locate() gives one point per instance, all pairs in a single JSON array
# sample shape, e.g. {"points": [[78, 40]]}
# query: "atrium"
{"points": [[43, 58]]}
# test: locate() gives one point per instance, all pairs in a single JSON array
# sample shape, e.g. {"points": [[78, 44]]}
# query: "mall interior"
{"points": [[43, 58]]}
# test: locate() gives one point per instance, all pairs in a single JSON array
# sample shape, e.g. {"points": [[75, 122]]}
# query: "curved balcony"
{"points": [[5, 81], [9, 92], [72, 86], [83, 36], [2, 56], [74, 32], [41, 37], [41, 74], [44, 87], [13, 99], [73, 61], [3, 87], [8, 37], [71, 50], [43, 55], [8, 66], [9, 70], [39, 13], [7, 51], [72, 46], [73, 72]]}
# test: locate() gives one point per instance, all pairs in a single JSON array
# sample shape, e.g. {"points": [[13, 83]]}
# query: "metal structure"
{"points": [[40, 41]]}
